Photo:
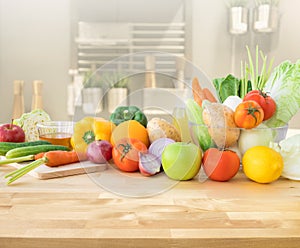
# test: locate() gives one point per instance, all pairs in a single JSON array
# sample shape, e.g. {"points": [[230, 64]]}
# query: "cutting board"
{"points": [[45, 172]]}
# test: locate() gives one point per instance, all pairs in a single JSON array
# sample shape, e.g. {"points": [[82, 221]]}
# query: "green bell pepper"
{"points": [[126, 113]]}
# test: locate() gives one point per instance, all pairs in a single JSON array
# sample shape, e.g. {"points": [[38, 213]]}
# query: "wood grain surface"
{"points": [[46, 172], [81, 211], [76, 212]]}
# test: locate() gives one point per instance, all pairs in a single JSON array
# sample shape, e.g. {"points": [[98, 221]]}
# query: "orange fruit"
{"points": [[103, 129], [130, 129]]}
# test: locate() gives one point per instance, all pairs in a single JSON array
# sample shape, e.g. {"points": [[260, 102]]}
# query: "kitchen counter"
{"points": [[77, 211]]}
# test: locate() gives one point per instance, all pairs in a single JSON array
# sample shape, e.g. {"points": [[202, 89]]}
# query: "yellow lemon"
{"points": [[262, 164]]}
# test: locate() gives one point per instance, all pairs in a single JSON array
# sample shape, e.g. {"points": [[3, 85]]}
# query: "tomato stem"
{"points": [[263, 94], [126, 149], [251, 111]]}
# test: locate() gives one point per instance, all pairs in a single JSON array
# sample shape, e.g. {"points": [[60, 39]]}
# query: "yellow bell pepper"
{"points": [[88, 130], [103, 129], [83, 134]]}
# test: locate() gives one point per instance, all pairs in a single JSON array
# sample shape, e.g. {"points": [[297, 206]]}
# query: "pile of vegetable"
{"points": [[253, 111], [282, 84], [32, 150], [128, 138], [244, 123]]}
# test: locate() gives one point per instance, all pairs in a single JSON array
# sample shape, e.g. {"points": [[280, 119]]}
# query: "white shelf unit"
{"points": [[100, 43]]}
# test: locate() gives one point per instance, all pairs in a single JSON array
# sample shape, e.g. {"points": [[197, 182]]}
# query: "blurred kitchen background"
{"points": [[60, 42]]}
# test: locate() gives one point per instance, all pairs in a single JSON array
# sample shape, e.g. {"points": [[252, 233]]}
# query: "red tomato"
{"points": [[220, 165], [264, 100], [125, 154], [248, 114]]}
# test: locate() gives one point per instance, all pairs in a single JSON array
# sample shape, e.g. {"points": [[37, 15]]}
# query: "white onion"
{"points": [[259, 136]]}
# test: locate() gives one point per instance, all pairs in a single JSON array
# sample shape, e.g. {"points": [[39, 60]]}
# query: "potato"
{"points": [[221, 125], [160, 128]]}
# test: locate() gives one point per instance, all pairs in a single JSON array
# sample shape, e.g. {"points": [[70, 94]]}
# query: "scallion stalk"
{"points": [[24, 170], [258, 79]]}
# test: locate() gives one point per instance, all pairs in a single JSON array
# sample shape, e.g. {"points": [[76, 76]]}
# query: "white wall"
{"points": [[35, 43], [213, 45]]}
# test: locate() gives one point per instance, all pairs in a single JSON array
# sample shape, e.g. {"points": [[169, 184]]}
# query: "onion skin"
{"points": [[158, 146], [149, 164]]}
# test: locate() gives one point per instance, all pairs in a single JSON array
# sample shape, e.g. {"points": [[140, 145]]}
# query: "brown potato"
{"points": [[221, 125], [160, 128]]}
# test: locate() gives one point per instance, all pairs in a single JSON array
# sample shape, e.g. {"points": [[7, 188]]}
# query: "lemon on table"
{"points": [[262, 164]]}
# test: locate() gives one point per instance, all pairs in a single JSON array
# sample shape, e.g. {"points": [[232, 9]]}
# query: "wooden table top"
{"points": [[93, 211]]}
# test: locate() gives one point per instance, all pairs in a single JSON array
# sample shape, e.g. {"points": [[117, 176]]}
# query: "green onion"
{"points": [[258, 79], [24, 170], [17, 160]]}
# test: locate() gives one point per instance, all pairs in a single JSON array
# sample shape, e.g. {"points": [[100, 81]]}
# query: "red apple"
{"points": [[11, 133]]}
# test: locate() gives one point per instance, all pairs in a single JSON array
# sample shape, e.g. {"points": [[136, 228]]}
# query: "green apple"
{"points": [[181, 161]]}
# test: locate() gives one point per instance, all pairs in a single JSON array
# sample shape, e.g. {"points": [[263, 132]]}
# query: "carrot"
{"points": [[57, 158], [198, 93], [208, 95], [39, 155], [51, 158]]}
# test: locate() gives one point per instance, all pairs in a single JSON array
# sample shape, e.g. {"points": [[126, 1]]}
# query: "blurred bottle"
{"points": [[180, 64], [37, 100], [18, 105], [180, 121], [150, 77]]}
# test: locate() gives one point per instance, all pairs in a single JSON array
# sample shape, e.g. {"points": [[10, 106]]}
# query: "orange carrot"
{"points": [[198, 93], [57, 158], [208, 95], [39, 155], [52, 158]]}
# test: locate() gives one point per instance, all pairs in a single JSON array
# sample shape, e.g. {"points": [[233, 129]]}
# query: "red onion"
{"points": [[99, 151], [158, 146], [149, 164]]}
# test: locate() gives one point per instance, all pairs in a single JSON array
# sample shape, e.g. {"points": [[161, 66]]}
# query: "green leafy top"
{"points": [[250, 71], [284, 87]]}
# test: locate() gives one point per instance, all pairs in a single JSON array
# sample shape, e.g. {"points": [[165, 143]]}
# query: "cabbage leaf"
{"points": [[283, 86]]}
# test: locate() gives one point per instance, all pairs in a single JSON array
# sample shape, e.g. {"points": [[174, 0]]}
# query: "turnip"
{"points": [[99, 151]]}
